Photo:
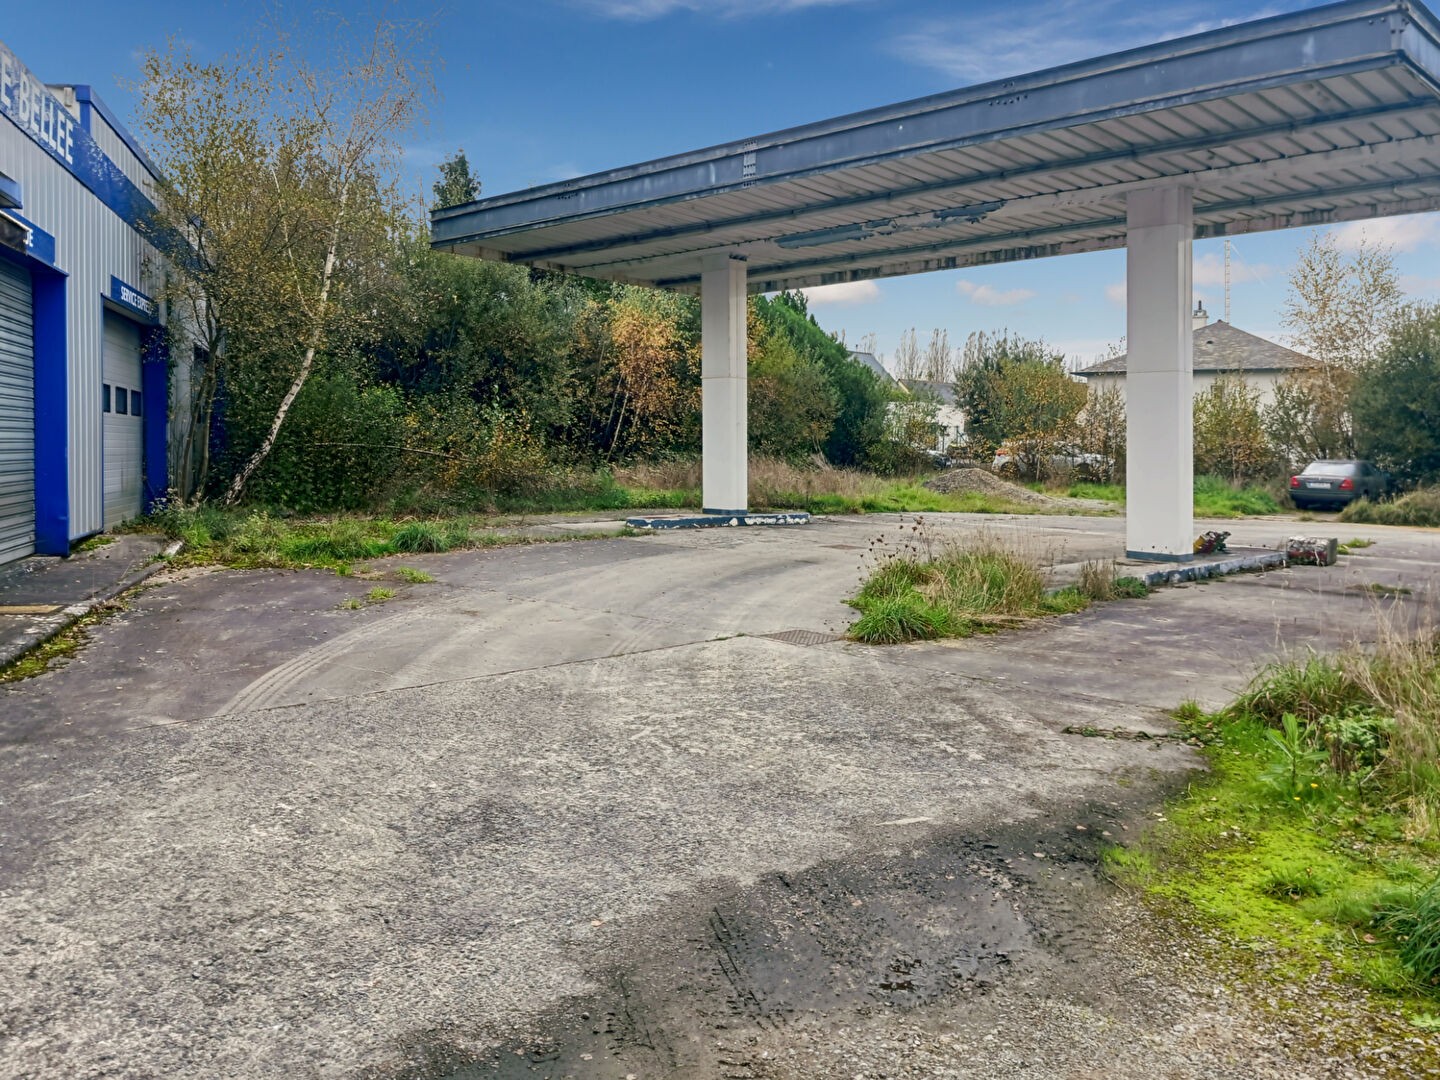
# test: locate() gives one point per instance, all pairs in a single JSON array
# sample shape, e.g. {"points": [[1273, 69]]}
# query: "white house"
{"points": [[949, 419], [1219, 349]]}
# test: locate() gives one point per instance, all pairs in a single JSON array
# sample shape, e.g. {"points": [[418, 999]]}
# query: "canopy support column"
{"points": [[723, 386], [1159, 471]]}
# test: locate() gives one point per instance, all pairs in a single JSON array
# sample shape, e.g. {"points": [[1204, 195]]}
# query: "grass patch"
{"points": [[1216, 498], [924, 592], [1357, 544], [93, 543], [1111, 493], [1420, 507], [413, 576], [247, 539], [379, 593], [1317, 832], [62, 646]]}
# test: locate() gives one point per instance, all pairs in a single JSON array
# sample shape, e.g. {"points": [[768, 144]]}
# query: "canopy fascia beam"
{"points": [[1309, 45], [948, 187]]}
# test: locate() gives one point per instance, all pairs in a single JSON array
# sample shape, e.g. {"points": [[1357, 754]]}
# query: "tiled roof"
{"points": [[1220, 347], [868, 359], [944, 392]]}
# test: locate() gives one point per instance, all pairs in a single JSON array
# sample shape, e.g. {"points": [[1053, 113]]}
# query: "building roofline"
{"points": [[88, 99]]}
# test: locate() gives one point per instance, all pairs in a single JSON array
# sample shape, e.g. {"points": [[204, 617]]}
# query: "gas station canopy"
{"points": [[1320, 116]]}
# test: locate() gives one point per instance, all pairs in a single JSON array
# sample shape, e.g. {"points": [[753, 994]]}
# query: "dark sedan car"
{"points": [[1329, 485]]}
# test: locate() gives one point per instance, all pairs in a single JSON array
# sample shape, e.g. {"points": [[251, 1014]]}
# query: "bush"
{"points": [[338, 449], [1229, 437], [1420, 507]]}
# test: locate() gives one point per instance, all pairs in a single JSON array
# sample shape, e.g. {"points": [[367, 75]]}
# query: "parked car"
{"points": [[1329, 485]]}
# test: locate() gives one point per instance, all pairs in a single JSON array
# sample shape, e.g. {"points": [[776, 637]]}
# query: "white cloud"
{"points": [[977, 47], [645, 10], [1398, 233], [845, 294], [987, 296], [1115, 293]]}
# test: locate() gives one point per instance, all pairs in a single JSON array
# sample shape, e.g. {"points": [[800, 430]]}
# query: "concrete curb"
{"points": [[718, 521], [47, 626], [1199, 571]]}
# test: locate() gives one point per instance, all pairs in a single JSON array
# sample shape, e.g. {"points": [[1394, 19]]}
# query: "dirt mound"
{"points": [[975, 478]]}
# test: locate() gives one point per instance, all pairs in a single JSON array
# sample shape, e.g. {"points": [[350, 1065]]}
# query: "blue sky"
{"points": [[539, 90]]}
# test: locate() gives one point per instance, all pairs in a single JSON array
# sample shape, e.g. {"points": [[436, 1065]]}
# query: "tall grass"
{"points": [[1419, 507], [954, 589], [1389, 695]]}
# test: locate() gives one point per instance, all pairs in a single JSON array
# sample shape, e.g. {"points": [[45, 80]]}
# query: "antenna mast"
{"points": [[1227, 281]]}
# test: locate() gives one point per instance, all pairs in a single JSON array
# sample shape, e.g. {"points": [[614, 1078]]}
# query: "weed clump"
{"points": [[949, 589], [1372, 717], [1419, 507], [1098, 582], [1414, 923]]}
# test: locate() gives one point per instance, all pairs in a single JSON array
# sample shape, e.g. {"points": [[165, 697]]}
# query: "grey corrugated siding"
{"points": [[17, 415], [118, 152]]}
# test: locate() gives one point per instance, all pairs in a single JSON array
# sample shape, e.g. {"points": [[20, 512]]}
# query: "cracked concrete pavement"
{"points": [[249, 833]]}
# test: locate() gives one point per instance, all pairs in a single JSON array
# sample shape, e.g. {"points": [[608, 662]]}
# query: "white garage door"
{"points": [[17, 415], [123, 407]]}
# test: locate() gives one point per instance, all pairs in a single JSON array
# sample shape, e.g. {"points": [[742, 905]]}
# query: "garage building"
{"points": [[84, 384]]}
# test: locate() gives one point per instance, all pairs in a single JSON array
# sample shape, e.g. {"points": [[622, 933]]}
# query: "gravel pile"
{"points": [[974, 478]]}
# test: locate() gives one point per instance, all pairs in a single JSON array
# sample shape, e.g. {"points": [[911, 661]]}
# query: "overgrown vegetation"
{"points": [[926, 588], [249, 539], [1419, 507], [1318, 830], [60, 646]]}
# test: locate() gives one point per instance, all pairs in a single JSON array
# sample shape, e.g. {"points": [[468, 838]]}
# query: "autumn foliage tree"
{"points": [[1016, 392], [1229, 436]]}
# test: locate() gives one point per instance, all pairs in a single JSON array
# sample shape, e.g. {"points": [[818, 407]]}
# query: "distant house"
{"points": [[949, 418], [1219, 349], [870, 361]]}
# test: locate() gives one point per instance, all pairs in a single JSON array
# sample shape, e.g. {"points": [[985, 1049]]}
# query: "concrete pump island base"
{"points": [[1325, 115]]}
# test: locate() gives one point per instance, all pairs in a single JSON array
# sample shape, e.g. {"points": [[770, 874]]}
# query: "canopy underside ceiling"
{"points": [[1353, 134]]}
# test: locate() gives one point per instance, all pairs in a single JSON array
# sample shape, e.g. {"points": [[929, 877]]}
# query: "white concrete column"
{"points": [[1159, 471], [723, 387]]}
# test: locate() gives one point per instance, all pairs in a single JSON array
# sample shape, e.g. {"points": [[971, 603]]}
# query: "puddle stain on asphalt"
{"points": [[942, 922]]}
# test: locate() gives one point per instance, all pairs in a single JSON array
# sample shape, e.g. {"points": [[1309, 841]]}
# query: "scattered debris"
{"points": [[1312, 550], [1211, 543]]}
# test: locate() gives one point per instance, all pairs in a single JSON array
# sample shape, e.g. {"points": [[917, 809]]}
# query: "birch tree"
{"points": [[1339, 309], [281, 175]]}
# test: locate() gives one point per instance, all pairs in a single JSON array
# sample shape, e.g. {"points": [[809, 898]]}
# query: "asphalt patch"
{"points": [[937, 917]]}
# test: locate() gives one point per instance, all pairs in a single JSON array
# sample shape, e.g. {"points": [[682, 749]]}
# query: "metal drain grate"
{"points": [[804, 637]]}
